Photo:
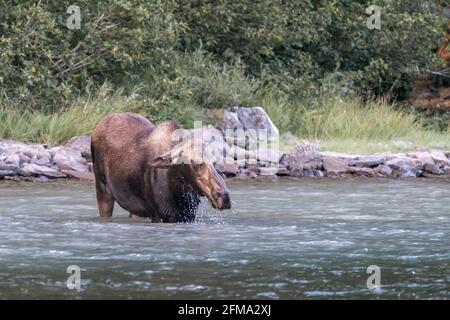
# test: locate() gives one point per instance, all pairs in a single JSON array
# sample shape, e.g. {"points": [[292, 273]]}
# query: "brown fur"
{"points": [[132, 165]]}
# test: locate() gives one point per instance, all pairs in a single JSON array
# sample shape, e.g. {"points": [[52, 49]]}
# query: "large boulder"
{"points": [[82, 144], [439, 158], [404, 167], [268, 157], [69, 159], [424, 157], [214, 140], [248, 127], [335, 165], [19, 153]]}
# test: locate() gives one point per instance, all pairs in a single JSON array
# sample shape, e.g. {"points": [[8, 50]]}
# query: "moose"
{"points": [[149, 173]]}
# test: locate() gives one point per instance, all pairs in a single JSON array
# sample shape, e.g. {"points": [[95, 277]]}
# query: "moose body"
{"points": [[134, 165]]}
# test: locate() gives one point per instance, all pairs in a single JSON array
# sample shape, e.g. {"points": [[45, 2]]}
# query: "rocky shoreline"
{"points": [[43, 163], [243, 154]]}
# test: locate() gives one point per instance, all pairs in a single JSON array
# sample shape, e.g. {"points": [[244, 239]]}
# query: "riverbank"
{"points": [[43, 163]]}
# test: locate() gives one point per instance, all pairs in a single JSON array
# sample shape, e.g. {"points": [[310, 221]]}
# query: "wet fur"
{"points": [[122, 147]]}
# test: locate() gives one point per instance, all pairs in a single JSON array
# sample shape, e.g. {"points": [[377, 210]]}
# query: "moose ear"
{"points": [[162, 162]]}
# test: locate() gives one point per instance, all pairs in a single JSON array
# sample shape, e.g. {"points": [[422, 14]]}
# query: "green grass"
{"points": [[79, 118], [333, 123], [349, 125]]}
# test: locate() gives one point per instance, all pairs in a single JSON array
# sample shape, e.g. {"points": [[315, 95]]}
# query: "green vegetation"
{"points": [[350, 125], [183, 59], [78, 119]]}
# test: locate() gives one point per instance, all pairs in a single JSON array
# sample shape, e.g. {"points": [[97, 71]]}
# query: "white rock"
{"points": [[439, 158], [30, 169], [82, 144]]}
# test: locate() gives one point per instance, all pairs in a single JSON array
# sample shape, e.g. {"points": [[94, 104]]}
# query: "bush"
{"points": [[299, 43], [292, 44], [191, 82], [43, 64]]}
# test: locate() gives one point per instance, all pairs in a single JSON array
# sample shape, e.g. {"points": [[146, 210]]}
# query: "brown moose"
{"points": [[138, 165]]}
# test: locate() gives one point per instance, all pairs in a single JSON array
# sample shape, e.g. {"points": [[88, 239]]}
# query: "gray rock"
{"points": [[269, 156], [12, 158], [82, 144], [248, 127], [400, 162], [269, 171], [41, 179], [44, 161], [11, 144], [257, 118], [246, 174], [215, 143], [383, 170], [4, 173], [85, 176], [32, 170], [361, 171], [318, 173], [239, 153], [69, 159], [432, 168], [230, 121], [282, 171], [35, 151], [18, 153], [335, 165], [407, 173], [367, 161], [424, 157], [229, 170], [404, 167], [7, 167], [439, 158], [308, 173]]}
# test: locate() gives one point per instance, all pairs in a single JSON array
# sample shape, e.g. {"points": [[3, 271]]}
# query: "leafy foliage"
{"points": [[188, 55]]}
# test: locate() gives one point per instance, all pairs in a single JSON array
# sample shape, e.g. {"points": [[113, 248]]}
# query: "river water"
{"points": [[292, 238]]}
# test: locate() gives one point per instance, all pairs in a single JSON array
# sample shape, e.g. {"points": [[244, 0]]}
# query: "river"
{"points": [[286, 239]]}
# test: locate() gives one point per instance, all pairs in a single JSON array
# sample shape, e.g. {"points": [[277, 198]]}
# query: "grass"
{"points": [[79, 118], [369, 146], [349, 125], [332, 122]]}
